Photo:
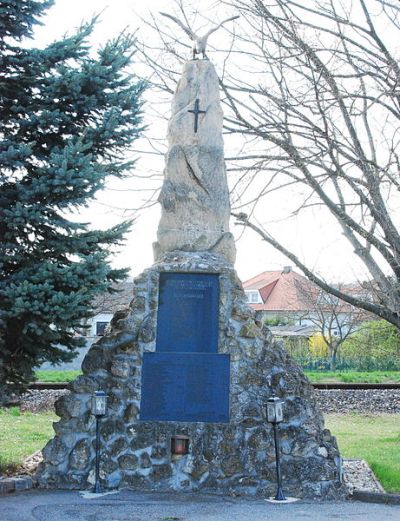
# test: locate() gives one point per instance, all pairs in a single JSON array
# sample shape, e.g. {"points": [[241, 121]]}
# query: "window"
{"points": [[253, 297], [100, 328]]}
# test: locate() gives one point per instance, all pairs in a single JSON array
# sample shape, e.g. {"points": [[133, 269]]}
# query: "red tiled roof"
{"points": [[266, 291], [280, 290], [261, 280]]}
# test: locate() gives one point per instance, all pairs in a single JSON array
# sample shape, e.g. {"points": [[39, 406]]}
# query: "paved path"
{"points": [[128, 505]]}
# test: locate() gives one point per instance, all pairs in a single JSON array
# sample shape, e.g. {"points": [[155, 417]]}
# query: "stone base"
{"points": [[236, 457]]}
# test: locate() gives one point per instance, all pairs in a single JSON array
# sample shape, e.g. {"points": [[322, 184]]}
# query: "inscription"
{"points": [[187, 318], [185, 387]]}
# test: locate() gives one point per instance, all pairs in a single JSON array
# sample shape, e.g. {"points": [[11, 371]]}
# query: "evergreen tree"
{"points": [[66, 120]]}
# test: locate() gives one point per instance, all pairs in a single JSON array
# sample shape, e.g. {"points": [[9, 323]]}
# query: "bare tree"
{"points": [[333, 318], [328, 116], [314, 88]]}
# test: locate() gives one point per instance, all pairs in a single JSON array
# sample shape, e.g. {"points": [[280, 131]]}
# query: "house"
{"points": [[280, 295], [106, 304], [286, 298]]}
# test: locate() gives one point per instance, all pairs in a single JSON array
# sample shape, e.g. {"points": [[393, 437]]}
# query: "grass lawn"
{"points": [[373, 377], [22, 435], [315, 376], [56, 376], [376, 439]]}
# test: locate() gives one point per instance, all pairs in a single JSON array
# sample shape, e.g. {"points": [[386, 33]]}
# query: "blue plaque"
{"points": [[187, 319], [185, 387]]}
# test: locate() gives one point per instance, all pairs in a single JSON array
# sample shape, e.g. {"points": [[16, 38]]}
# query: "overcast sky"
{"points": [[313, 236]]}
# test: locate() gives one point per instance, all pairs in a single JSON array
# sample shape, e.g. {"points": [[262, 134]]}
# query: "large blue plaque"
{"points": [[187, 319], [185, 387]]}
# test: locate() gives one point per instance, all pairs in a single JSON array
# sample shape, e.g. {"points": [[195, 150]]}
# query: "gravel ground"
{"points": [[358, 476], [40, 401], [362, 401], [332, 401]]}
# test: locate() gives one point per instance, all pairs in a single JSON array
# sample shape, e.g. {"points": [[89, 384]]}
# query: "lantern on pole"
{"points": [[98, 409], [274, 409], [274, 414]]}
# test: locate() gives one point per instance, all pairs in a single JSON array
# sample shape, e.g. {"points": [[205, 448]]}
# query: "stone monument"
{"points": [[194, 196], [189, 360]]}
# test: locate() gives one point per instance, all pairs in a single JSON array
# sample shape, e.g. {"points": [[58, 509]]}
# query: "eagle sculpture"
{"points": [[199, 42]]}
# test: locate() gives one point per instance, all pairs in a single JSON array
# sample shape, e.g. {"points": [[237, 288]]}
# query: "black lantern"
{"points": [[274, 409], [99, 403], [99, 409], [274, 414], [179, 445]]}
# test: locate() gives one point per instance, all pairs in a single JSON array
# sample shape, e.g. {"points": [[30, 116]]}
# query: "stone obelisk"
{"points": [[195, 197]]}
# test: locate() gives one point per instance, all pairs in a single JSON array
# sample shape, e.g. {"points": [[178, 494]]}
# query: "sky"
{"points": [[313, 235]]}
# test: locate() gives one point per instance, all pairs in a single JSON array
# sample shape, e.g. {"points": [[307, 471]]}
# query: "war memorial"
{"points": [[188, 367]]}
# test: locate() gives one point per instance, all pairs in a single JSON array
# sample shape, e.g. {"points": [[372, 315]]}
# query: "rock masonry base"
{"points": [[236, 457]]}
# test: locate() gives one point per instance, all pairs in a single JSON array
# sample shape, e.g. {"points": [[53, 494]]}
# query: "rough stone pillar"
{"points": [[195, 197]]}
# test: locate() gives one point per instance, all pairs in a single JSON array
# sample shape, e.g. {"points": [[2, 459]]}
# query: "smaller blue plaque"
{"points": [[188, 387]]}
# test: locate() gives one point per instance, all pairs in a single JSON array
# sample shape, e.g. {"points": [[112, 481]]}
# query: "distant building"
{"points": [[286, 298], [106, 304], [279, 295]]}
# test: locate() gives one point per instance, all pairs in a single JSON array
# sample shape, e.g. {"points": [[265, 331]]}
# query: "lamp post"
{"points": [[99, 409], [274, 413]]}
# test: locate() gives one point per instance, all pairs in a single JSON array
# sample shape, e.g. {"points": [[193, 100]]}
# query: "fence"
{"points": [[351, 364]]}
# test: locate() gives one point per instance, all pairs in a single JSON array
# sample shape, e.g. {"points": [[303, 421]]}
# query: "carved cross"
{"points": [[196, 111]]}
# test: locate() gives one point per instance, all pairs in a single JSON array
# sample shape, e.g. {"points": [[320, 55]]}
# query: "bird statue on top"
{"points": [[199, 42]]}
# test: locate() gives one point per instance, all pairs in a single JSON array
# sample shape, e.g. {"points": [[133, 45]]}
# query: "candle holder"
{"points": [[179, 446]]}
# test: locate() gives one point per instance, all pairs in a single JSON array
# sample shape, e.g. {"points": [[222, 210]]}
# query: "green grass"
{"points": [[314, 376], [373, 377], [56, 376], [22, 434], [376, 439]]}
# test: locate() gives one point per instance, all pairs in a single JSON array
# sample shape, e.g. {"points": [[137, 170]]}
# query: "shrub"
{"points": [[376, 343], [317, 346]]}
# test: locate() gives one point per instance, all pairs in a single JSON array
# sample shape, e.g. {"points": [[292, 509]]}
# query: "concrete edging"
{"points": [[376, 497], [15, 484]]}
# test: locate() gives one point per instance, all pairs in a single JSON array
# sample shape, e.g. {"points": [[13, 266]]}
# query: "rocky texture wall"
{"points": [[237, 457], [194, 199]]}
